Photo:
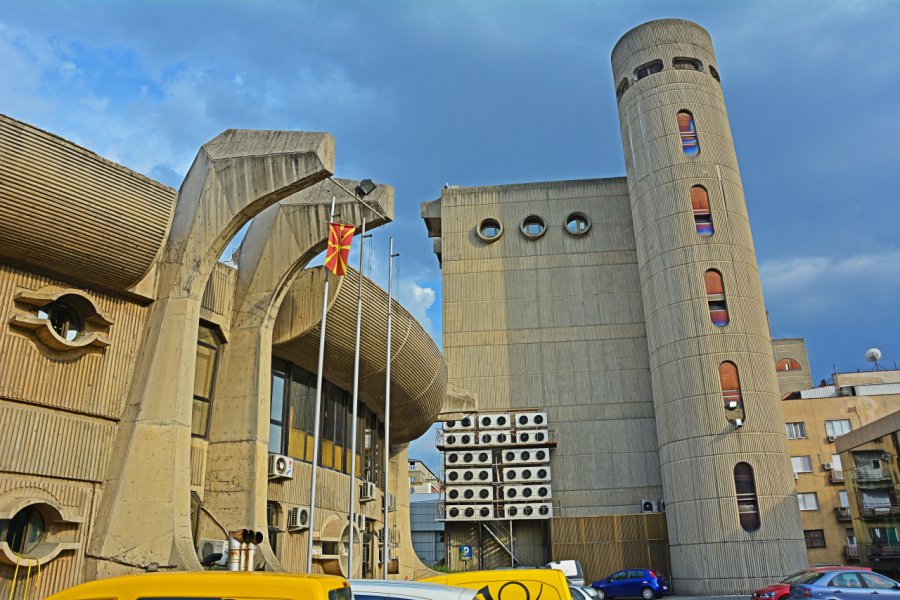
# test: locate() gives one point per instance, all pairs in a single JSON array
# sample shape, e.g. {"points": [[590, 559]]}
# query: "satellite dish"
{"points": [[873, 355]]}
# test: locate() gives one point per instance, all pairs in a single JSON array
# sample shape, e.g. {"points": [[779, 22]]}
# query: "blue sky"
{"points": [[419, 94]]}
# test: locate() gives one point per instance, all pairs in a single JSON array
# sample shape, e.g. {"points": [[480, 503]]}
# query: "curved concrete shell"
{"points": [[66, 210], [418, 370]]}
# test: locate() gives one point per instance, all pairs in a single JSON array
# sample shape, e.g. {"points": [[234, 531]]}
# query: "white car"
{"points": [[375, 589]]}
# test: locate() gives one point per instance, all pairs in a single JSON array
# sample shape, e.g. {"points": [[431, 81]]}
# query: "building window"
{"points": [[689, 142], [715, 297], [788, 364], [851, 535], [843, 499], [801, 464], [702, 215], [276, 412], [25, 531], [623, 87], [273, 513], [490, 230], [731, 386], [748, 504], [808, 501], [207, 359], [687, 64], [648, 69], [533, 227], [64, 319], [838, 428], [815, 538], [714, 73], [577, 223], [795, 431], [884, 536]]}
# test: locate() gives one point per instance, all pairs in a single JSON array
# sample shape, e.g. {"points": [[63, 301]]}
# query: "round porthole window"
{"points": [[577, 224], [533, 227], [25, 531], [490, 230]]}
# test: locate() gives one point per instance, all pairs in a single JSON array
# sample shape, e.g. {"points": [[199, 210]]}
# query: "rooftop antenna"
{"points": [[873, 355]]}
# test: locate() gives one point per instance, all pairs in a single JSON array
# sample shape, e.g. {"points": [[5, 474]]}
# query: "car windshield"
{"points": [[809, 577], [793, 578]]}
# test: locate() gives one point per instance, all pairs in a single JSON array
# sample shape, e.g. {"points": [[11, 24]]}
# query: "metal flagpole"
{"points": [[387, 412], [315, 461], [362, 248]]}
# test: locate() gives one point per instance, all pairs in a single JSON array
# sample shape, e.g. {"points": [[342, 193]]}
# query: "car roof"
{"points": [[436, 591]]}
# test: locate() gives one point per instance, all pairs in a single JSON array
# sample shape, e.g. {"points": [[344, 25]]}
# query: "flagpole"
{"points": [[387, 412], [315, 461], [362, 248]]}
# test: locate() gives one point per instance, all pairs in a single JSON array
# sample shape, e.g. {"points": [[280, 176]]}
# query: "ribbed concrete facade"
{"points": [[699, 447]]}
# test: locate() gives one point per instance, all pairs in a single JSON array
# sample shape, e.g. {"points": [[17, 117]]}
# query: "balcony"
{"points": [[880, 512], [843, 513], [851, 552], [837, 476], [879, 551], [871, 476]]}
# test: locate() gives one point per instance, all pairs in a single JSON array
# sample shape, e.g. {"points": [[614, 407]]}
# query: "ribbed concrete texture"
{"points": [[699, 444]]}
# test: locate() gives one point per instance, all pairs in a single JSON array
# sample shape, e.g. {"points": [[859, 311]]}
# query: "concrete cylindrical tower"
{"points": [[732, 515]]}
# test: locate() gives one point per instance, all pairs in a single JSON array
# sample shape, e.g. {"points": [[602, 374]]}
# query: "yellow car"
{"points": [[211, 585], [511, 584]]}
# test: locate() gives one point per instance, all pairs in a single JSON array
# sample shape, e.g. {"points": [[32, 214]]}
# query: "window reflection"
{"points": [[208, 344]]}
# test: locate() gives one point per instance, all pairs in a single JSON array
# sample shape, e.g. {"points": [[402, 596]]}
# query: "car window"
{"points": [[874, 580], [635, 574], [358, 596], [810, 577], [848, 580], [619, 575], [794, 577]]}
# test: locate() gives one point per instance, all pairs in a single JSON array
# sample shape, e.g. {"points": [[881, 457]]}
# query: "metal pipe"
{"points": [[351, 512], [315, 461], [387, 412], [233, 563]]}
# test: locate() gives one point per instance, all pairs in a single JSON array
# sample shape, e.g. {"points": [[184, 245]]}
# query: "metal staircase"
{"points": [[503, 537]]}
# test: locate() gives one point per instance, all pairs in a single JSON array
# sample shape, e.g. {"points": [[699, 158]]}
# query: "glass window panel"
{"points": [[199, 417], [206, 335], [277, 412], [688, 133], [204, 371], [275, 432], [876, 581], [801, 464], [808, 501], [843, 498], [327, 455]]}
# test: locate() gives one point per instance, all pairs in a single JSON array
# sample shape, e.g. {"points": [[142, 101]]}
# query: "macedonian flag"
{"points": [[339, 238]]}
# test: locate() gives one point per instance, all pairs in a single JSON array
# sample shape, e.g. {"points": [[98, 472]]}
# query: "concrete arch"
{"points": [[278, 244], [234, 177]]}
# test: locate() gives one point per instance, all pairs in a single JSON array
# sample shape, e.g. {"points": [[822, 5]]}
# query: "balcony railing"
{"points": [[879, 551], [871, 475], [843, 513], [837, 476], [880, 512], [851, 552]]}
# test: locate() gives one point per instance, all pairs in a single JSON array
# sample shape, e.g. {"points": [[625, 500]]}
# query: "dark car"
{"points": [[782, 589], [845, 584], [644, 583]]}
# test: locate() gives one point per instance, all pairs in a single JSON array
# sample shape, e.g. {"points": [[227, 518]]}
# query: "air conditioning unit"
{"points": [[468, 493], [464, 424], [526, 474], [463, 439], [361, 522], [454, 513], [827, 466], [493, 421], [298, 518], [281, 467], [525, 457], [531, 437], [522, 511], [206, 548], [367, 491], [499, 437], [526, 493], [731, 404], [831, 438], [473, 457], [738, 423], [475, 512], [885, 456], [528, 420], [650, 506]]}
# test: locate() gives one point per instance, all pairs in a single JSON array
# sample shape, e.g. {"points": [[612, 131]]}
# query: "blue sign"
{"points": [[465, 553]]}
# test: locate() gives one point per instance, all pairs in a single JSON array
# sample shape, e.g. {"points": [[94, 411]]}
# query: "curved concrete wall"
{"points": [[698, 446]]}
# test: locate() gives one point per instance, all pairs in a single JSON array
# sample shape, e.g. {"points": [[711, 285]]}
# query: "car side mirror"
{"points": [[897, 586]]}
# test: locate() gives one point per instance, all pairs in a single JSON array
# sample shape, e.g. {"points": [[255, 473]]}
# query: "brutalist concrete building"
{"points": [[630, 310]]}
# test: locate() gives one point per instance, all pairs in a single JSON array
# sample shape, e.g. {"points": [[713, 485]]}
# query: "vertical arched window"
{"points": [[702, 214], [731, 390], [715, 296], [745, 489], [689, 142]]}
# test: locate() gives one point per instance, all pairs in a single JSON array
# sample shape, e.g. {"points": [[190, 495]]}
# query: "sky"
{"points": [[422, 93]]}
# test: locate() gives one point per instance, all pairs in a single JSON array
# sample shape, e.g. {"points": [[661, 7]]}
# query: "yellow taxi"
{"points": [[511, 584], [211, 585]]}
